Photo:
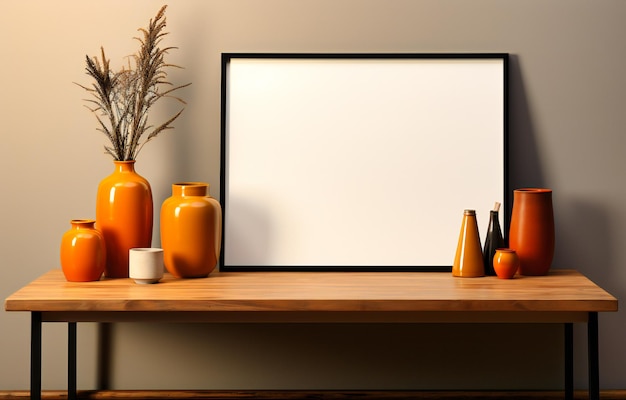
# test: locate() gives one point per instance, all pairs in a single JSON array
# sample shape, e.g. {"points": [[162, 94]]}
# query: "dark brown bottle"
{"points": [[493, 241]]}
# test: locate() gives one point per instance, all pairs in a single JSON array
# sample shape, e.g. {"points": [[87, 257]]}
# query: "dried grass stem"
{"points": [[121, 100]]}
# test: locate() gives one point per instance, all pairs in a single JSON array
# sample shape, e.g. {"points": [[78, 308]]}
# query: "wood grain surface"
{"points": [[354, 292]]}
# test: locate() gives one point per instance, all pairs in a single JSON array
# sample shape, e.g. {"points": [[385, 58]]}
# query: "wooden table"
{"points": [[564, 296]]}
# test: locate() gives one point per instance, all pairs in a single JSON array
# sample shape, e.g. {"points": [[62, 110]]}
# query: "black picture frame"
{"points": [[359, 162]]}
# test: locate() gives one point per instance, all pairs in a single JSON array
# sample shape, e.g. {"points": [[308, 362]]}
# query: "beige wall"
{"points": [[567, 133]]}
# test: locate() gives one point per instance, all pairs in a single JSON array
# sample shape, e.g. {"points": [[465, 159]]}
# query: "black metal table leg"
{"points": [[71, 361], [35, 356], [104, 355], [569, 361], [594, 362]]}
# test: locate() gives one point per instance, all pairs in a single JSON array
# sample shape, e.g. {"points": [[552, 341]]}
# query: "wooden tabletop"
{"points": [[322, 292]]}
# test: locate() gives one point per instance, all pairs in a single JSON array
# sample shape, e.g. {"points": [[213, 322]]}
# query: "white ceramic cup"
{"points": [[145, 264]]}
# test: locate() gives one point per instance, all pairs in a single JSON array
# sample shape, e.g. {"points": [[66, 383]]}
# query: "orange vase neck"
{"points": [[124, 166], [190, 189]]}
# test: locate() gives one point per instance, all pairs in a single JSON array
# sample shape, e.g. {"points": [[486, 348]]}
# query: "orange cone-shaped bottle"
{"points": [[468, 262]]}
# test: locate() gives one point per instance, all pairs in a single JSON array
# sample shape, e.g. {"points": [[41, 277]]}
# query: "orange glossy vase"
{"points": [[83, 252], [505, 263], [191, 230], [468, 261], [123, 215], [531, 233]]}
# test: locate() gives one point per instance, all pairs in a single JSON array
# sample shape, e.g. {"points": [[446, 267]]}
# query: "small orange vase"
{"points": [[83, 252], [531, 233], [505, 263], [124, 213], [468, 261], [191, 230]]}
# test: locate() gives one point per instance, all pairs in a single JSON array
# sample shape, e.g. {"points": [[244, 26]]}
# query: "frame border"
{"points": [[506, 205]]}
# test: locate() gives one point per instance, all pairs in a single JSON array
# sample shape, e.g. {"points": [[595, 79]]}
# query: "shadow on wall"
{"points": [[525, 169], [573, 244]]}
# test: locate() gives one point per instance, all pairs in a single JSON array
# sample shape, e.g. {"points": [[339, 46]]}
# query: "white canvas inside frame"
{"points": [[358, 162]]}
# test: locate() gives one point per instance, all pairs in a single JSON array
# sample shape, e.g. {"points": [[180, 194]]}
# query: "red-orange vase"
{"points": [[123, 215], [83, 252], [531, 232], [191, 230]]}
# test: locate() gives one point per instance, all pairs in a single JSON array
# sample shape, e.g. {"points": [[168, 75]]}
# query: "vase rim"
{"points": [[505, 250], [190, 189], [190, 184], [124, 161], [534, 190], [83, 221]]}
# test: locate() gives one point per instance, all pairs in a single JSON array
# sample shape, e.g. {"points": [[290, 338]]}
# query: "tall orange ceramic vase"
{"points": [[124, 213], [83, 252], [191, 230], [531, 232]]}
